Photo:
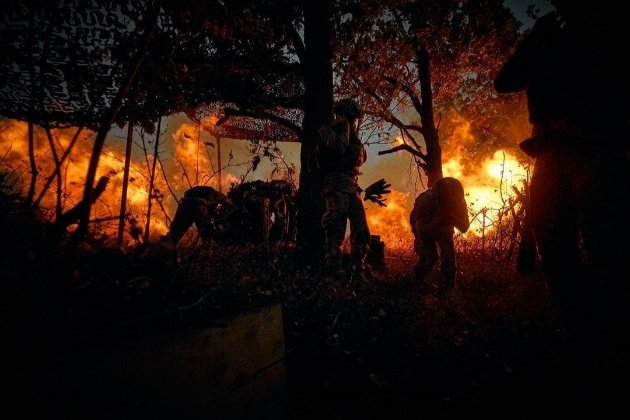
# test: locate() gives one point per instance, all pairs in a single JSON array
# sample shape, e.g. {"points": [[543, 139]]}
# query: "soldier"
{"points": [[573, 68], [435, 213], [340, 154], [200, 206], [571, 65]]}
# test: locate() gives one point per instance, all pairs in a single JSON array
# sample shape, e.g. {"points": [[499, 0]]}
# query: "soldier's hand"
{"points": [[379, 201], [375, 192]]}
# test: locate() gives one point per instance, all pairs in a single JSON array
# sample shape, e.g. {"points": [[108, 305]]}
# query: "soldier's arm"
{"points": [[460, 217]]}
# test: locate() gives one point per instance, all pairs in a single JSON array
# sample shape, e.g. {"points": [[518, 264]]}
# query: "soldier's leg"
{"points": [[203, 220], [553, 217], [359, 234], [604, 204], [334, 225], [426, 250], [183, 220], [447, 256]]}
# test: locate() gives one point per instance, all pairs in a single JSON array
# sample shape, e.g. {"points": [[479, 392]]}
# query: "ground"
{"points": [[390, 347]]}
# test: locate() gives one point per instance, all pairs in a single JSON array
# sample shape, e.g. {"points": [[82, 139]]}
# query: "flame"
{"points": [[209, 122], [488, 186], [391, 223], [189, 158], [188, 155]]}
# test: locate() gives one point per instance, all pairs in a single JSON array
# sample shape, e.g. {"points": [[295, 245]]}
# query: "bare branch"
{"points": [[404, 147], [168, 184], [63, 157]]}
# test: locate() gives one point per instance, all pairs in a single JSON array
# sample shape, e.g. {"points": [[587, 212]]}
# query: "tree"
{"points": [[428, 56], [276, 81]]}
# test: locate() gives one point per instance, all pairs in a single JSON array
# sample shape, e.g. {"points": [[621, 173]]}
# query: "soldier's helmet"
{"points": [[449, 188], [348, 108]]}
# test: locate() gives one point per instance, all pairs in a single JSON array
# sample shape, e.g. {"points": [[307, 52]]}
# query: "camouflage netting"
{"points": [[59, 59]]}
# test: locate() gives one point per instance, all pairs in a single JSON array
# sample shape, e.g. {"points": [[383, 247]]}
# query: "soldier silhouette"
{"points": [[340, 154], [573, 69], [436, 212]]}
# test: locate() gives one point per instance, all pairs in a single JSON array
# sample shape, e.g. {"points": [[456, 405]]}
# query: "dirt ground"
{"points": [[387, 348]]}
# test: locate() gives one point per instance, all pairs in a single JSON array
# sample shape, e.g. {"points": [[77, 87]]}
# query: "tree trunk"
{"points": [[318, 102], [431, 136], [219, 163], [125, 185], [31, 158], [74, 213], [152, 179], [31, 140]]}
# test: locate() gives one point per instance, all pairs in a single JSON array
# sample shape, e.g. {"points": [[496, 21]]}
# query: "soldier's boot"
{"points": [[421, 271], [357, 265], [448, 278], [358, 268], [357, 272], [334, 267]]}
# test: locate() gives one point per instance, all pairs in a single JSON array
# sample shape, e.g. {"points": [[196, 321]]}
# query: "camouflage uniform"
{"points": [[198, 206], [340, 159], [435, 213]]}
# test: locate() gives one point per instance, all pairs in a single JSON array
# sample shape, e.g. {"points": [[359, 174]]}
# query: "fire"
{"points": [[392, 222], [194, 158], [489, 190], [188, 156], [190, 163], [488, 187]]}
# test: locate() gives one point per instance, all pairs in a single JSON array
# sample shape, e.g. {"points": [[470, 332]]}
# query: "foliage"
{"points": [[466, 42]]}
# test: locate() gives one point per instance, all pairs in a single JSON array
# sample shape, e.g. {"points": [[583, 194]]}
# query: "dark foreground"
{"points": [[238, 333]]}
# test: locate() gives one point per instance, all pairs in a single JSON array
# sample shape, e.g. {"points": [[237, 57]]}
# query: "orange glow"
{"points": [[189, 158], [487, 185], [14, 148], [392, 222]]}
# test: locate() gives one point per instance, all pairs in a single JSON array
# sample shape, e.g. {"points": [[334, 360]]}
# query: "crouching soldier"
{"points": [[435, 213], [200, 205]]}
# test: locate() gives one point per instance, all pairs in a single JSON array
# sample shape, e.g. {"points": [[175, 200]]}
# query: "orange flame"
{"points": [[191, 160], [391, 223], [487, 185]]}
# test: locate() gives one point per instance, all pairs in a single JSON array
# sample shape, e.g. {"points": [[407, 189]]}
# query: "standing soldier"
{"points": [[572, 67], [435, 213], [340, 154], [574, 70]]}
